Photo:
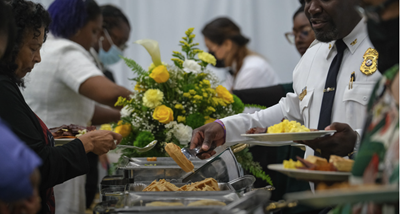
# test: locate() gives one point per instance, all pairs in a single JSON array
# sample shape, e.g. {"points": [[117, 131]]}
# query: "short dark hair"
{"points": [[7, 26], [112, 17], [300, 10], [27, 16], [68, 16]]}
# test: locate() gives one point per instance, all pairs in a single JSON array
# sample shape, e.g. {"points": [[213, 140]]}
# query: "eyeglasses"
{"points": [[111, 40], [373, 12], [303, 33]]}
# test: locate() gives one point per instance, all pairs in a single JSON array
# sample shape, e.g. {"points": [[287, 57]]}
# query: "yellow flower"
{"points": [[197, 51], [198, 97], [205, 94], [191, 91], [120, 102], [189, 31], [208, 58], [106, 127], [206, 83], [180, 62], [223, 93], [178, 106], [192, 36], [186, 95], [152, 98], [211, 109], [181, 119], [210, 120], [163, 114], [139, 88], [160, 74], [123, 129]]}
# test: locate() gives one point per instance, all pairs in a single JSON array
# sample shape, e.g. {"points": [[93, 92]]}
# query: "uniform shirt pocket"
{"points": [[355, 101], [305, 107]]}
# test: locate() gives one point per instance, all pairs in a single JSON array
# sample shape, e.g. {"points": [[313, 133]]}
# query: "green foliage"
{"points": [[245, 159], [255, 106], [237, 104], [195, 120], [143, 138], [134, 66]]}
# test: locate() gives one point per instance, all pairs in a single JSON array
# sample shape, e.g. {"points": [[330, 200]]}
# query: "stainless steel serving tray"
{"points": [[164, 168]]}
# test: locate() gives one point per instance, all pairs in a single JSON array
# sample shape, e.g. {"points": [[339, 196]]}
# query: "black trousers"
{"points": [[92, 179]]}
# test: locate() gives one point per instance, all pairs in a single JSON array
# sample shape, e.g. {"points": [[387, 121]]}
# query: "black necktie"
{"points": [[325, 114]]}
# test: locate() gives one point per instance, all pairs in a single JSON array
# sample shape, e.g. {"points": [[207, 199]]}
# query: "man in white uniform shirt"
{"points": [[331, 21]]}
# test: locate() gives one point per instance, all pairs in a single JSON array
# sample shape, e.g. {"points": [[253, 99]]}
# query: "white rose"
{"points": [[191, 66], [183, 133], [126, 111]]}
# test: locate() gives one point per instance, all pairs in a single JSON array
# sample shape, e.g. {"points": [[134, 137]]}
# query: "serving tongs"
{"points": [[139, 149]]}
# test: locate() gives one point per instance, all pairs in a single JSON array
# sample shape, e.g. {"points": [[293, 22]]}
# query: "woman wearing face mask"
{"points": [[249, 69], [113, 39], [64, 87]]}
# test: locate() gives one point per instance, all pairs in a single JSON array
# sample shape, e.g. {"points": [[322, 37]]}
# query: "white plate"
{"points": [[311, 175], [327, 198], [62, 141], [289, 136]]}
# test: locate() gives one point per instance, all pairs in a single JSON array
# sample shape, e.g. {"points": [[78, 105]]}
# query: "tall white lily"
{"points": [[153, 49]]}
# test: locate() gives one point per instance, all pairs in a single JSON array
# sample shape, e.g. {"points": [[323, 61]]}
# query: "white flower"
{"points": [[126, 111], [191, 66], [183, 133]]}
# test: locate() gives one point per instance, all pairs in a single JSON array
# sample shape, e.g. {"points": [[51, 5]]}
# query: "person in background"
{"points": [[59, 164], [113, 38], [301, 36], [249, 70], [105, 52], [76, 83]]}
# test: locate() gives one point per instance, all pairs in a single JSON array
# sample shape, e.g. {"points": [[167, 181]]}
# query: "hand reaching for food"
{"points": [[100, 141]]}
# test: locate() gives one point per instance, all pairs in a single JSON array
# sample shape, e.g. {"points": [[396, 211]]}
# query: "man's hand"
{"points": [[207, 135], [341, 143], [100, 141]]}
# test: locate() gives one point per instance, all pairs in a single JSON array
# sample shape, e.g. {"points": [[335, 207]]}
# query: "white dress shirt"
{"points": [[254, 73], [310, 75]]}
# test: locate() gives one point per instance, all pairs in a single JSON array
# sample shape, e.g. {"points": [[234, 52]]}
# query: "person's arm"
{"points": [[104, 115], [81, 75], [267, 96], [102, 90]]}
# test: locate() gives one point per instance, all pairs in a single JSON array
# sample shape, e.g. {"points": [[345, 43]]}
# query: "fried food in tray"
{"points": [[70, 131], [201, 203], [209, 184], [175, 152]]}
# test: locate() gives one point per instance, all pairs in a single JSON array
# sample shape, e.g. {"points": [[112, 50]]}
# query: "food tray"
{"points": [[135, 190], [151, 170], [164, 159]]}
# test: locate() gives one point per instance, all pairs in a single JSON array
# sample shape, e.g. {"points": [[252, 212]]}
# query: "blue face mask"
{"points": [[112, 56]]}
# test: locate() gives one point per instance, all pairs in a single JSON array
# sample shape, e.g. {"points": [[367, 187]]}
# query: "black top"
{"points": [[267, 96], [59, 163]]}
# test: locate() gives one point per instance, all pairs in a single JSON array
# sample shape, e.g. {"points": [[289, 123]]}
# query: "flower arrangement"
{"points": [[172, 100]]}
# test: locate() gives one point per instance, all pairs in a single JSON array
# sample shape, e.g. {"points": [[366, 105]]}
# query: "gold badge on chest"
{"points": [[370, 63], [303, 93]]}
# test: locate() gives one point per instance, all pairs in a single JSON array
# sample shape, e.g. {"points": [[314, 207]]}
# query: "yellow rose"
{"points": [[160, 74], [163, 114], [223, 93], [209, 120], [152, 98], [123, 129], [106, 127], [208, 58]]}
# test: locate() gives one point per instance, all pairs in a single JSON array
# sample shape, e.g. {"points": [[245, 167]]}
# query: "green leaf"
{"points": [[134, 66]]}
